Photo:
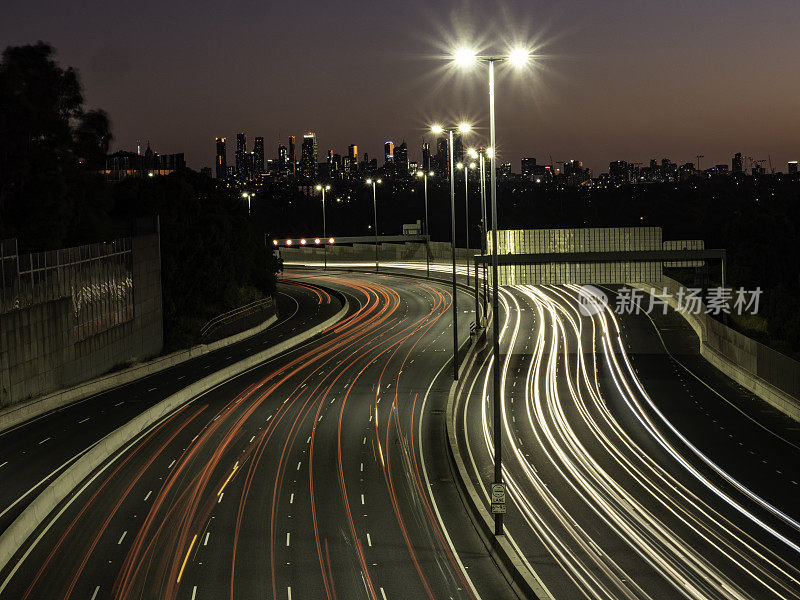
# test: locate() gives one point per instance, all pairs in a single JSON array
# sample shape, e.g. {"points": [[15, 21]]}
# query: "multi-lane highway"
{"points": [[319, 475], [635, 471], [34, 453]]}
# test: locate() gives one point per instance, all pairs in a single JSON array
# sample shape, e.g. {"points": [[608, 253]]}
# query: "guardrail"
{"points": [[214, 325]]}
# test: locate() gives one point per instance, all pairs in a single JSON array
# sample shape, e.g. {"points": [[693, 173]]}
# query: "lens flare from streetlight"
{"points": [[465, 127], [288, 242], [378, 181], [472, 165], [489, 152], [330, 240], [369, 181], [464, 57], [437, 129], [319, 187], [472, 152], [274, 242], [459, 165], [316, 241], [519, 57], [303, 242], [420, 173]]}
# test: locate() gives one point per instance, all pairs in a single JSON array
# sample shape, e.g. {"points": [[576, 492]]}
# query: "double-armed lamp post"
{"points": [[424, 175], [373, 183], [466, 168], [438, 129], [465, 57], [323, 189]]}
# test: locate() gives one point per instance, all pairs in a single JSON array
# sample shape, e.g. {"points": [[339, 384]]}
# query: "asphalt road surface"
{"points": [[34, 453], [635, 470], [319, 475]]}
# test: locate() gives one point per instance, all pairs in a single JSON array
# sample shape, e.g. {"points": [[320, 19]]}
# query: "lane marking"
{"points": [[369, 541], [383, 594], [251, 439], [288, 539], [289, 592], [43, 441], [291, 498], [362, 498], [122, 537], [298, 465], [119, 403], [170, 464], [205, 541], [4, 464], [148, 495], [97, 589], [152, 389], [186, 558], [220, 498], [84, 420], [194, 592]]}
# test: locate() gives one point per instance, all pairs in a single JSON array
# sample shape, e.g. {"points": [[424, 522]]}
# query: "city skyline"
{"points": [[611, 81]]}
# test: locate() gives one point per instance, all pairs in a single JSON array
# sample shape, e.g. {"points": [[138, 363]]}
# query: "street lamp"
{"points": [[438, 129], [517, 57], [466, 168], [424, 175], [247, 195], [373, 182], [323, 188]]}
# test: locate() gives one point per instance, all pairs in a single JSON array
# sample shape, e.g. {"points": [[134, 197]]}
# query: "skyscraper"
{"points": [[736, 164], [442, 157], [222, 161], [292, 159], [258, 158], [401, 159], [426, 157], [308, 156], [283, 159], [528, 167], [388, 150], [241, 159], [458, 147], [792, 167], [352, 152]]}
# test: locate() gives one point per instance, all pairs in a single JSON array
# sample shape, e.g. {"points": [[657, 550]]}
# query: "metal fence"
{"points": [[98, 278]]}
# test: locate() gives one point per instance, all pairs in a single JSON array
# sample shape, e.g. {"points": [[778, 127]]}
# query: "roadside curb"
{"points": [[12, 539], [21, 412], [523, 580]]}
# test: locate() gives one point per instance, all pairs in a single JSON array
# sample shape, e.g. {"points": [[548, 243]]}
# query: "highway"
{"points": [[33, 453], [322, 474], [634, 469]]}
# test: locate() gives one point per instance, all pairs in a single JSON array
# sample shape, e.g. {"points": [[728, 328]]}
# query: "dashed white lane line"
{"points": [[4, 464], [291, 498], [288, 539], [152, 389], [96, 590], [220, 497], [289, 593], [122, 537], [369, 541], [148, 495], [194, 592], [43, 441], [298, 465], [119, 403], [205, 541], [362, 498], [362, 467], [182, 377], [170, 464], [252, 438], [364, 443], [383, 594], [84, 420]]}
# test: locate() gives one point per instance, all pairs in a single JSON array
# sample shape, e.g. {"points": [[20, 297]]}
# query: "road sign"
{"points": [[498, 498]]}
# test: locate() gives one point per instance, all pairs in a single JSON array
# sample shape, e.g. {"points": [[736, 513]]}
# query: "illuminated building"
{"points": [[222, 161]]}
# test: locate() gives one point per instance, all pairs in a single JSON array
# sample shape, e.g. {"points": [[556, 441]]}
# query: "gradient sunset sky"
{"points": [[613, 79]]}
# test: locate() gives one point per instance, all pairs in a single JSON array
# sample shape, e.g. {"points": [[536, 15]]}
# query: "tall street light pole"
{"points": [[375, 216], [323, 188], [247, 195], [466, 213], [424, 175], [463, 128], [517, 57]]}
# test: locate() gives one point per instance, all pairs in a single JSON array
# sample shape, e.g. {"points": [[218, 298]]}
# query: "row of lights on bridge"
{"points": [[301, 241]]}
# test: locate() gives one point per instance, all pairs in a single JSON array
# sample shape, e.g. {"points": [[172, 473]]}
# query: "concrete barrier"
{"points": [[743, 369], [37, 511], [24, 411], [516, 570]]}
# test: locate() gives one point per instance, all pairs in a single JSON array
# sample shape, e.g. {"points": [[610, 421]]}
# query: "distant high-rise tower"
{"points": [[258, 158], [528, 167], [388, 150], [352, 152], [792, 167], [737, 166], [283, 159], [458, 147], [222, 161], [426, 157], [401, 159], [241, 158], [292, 159], [308, 156], [442, 157]]}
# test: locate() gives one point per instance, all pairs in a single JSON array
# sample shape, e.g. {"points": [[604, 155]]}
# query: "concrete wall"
{"points": [[408, 252], [40, 353]]}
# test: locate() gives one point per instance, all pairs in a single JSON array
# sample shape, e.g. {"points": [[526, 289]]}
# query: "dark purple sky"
{"points": [[617, 79]]}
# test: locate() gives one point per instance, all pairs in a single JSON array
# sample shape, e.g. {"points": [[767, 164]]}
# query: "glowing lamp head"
{"points": [[430, 174], [472, 165], [437, 129], [319, 187], [330, 240], [303, 242], [420, 173], [288, 242], [274, 242], [459, 165], [316, 241], [465, 128], [464, 57], [472, 152], [519, 57], [369, 181], [489, 152], [378, 181]]}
